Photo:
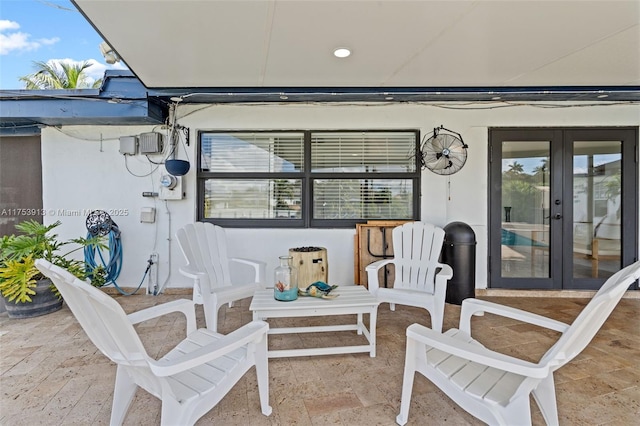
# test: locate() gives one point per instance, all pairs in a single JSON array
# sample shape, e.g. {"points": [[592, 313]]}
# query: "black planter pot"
{"points": [[43, 302]]}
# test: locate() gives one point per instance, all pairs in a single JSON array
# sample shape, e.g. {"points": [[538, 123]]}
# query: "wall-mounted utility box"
{"points": [[171, 187], [148, 215], [128, 145], [150, 143]]}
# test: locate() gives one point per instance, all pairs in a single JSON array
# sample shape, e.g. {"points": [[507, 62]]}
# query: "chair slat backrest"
{"points": [[590, 320], [416, 250], [101, 317], [204, 246]]}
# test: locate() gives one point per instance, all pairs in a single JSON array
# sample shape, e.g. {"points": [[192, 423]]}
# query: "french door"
{"points": [[563, 206]]}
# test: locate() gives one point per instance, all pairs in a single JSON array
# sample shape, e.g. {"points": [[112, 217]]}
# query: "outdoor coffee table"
{"points": [[351, 300]]}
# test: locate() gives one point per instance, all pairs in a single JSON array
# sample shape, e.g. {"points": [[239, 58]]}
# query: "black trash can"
{"points": [[459, 252]]}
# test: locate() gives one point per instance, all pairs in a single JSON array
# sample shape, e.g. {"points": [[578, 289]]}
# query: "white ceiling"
{"points": [[394, 43]]}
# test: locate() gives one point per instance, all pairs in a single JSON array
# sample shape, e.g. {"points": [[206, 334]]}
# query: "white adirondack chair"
{"points": [[191, 379], [420, 280], [495, 387], [204, 246]]}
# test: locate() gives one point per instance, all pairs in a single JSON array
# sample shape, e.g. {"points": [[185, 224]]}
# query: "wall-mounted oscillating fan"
{"points": [[444, 152]]}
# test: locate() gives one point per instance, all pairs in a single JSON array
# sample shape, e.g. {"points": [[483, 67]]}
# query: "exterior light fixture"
{"points": [[110, 56], [341, 52]]}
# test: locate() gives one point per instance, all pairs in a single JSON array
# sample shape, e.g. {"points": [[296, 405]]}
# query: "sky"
{"points": [[44, 30]]}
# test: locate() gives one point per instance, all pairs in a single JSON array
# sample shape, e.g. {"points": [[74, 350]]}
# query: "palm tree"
{"points": [[59, 75], [515, 168], [542, 168], [542, 171]]}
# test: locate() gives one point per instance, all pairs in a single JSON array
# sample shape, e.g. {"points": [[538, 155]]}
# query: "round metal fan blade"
{"points": [[458, 149], [437, 163], [434, 143], [455, 164], [446, 141], [458, 161]]}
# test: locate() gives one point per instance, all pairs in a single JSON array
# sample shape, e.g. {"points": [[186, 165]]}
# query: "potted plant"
{"points": [[26, 291]]}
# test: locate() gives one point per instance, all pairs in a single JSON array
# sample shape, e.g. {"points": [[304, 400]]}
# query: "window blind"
{"points": [[252, 152], [358, 152]]}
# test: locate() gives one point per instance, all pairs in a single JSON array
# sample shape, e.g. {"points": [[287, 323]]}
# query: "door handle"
{"points": [[557, 216]]}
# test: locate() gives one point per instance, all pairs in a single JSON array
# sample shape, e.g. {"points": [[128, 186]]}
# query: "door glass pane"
{"points": [[525, 209], [597, 182]]}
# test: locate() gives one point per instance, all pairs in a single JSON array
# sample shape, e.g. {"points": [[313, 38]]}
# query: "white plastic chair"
{"points": [[420, 280], [191, 379], [495, 387], [204, 246]]}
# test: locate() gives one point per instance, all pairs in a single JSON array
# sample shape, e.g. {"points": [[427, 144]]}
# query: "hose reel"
{"points": [[100, 224]]}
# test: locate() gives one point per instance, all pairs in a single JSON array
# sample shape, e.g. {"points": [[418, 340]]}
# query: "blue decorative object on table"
{"points": [[319, 289]]}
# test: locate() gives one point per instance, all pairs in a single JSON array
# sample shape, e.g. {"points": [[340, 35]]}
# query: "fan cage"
{"points": [[444, 152]]}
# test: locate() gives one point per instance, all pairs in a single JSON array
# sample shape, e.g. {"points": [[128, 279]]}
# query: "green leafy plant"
{"points": [[18, 280], [98, 276], [18, 274]]}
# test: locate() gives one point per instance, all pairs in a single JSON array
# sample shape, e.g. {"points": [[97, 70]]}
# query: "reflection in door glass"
{"points": [[597, 184], [525, 209]]}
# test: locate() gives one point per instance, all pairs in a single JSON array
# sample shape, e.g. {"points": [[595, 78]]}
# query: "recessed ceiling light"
{"points": [[341, 52], [388, 98], [603, 96], [496, 98], [284, 97]]}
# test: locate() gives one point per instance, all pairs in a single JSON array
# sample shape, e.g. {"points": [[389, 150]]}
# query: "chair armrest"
{"points": [[479, 307], [182, 305], [445, 273], [379, 264], [252, 332], [258, 266], [475, 352], [191, 272], [441, 280], [372, 274], [234, 292]]}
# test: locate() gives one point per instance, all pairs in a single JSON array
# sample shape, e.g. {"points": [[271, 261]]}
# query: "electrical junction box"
{"points": [[148, 215], [128, 145], [150, 143], [171, 187]]}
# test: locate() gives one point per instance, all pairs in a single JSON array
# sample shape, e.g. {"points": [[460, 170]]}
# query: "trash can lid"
{"points": [[459, 232]]}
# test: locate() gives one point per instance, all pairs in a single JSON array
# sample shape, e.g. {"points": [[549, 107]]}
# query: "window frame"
{"points": [[307, 178]]}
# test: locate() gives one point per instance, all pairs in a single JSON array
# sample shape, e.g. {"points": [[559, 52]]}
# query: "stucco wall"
{"points": [[82, 170]]}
